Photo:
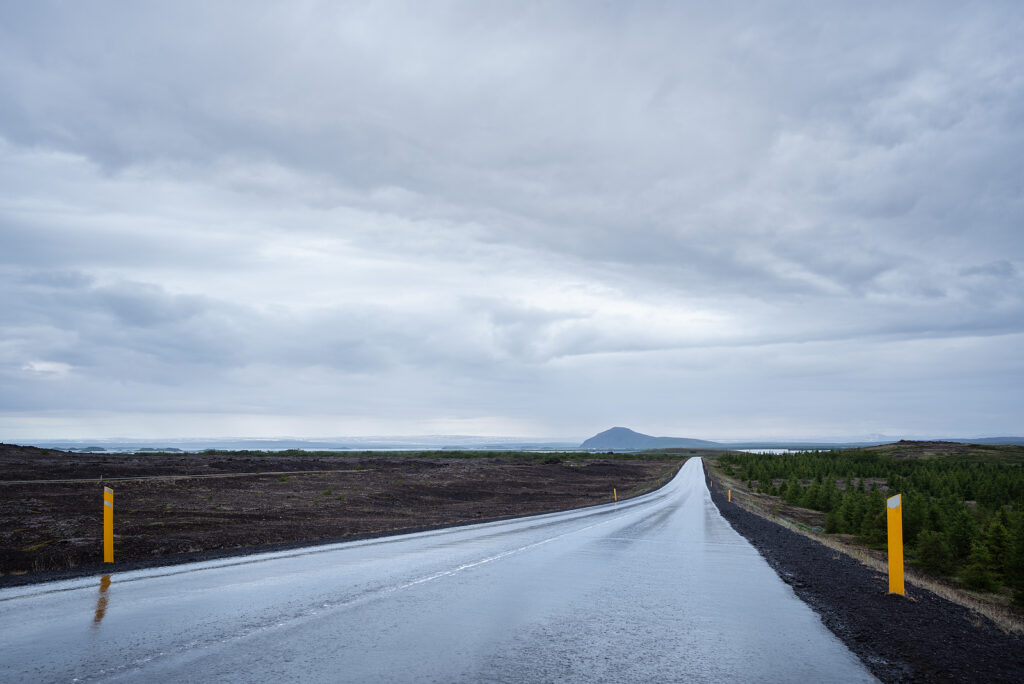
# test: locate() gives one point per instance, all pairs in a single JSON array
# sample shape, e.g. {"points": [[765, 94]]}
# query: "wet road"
{"points": [[657, 588]]}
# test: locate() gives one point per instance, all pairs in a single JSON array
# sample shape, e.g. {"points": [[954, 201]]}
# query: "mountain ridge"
{"points": [[624, 438], [627, 439]]}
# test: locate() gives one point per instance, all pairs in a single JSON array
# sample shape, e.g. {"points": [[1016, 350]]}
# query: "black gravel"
{"points": [[920, 638]]}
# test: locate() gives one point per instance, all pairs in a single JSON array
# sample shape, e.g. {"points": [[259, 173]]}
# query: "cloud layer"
{"points": [[329, 219]]}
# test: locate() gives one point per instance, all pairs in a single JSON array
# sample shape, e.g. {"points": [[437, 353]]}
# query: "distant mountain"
{"points": [[400, 443], [1018, 441], [624, 438]]}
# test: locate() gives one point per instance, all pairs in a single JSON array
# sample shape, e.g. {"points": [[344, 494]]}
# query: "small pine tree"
{"points": [[811, 497], [997, 540], [914, 512], [978, 574], [793, 492], [933, 552], [960, 533], [852, 511], [833, 497], [835, 522], [1015, 562], [874, 528], [934, 520]]}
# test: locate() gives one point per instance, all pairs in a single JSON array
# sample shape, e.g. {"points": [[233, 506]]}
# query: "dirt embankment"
{"points": [[920, 638], [196, 506]]}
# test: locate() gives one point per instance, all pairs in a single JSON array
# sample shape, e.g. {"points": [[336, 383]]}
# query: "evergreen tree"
{"points": [[793, 492], [913, 516], [960, 533], [834, 522], [830, 496], [934, 519], [852, 510], [978, 574], [997, 540], [933, 552], [811, 497], [874, 529], [1015, 561]]}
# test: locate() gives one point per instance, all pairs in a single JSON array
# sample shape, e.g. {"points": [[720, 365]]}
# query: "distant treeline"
{"points": [[544, 456], [961, 518]]}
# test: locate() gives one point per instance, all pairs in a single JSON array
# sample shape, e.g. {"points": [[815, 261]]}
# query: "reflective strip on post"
{"points": [[894, 515]]}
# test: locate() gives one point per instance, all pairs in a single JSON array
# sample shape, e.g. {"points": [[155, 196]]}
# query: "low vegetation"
{"points": [[963, 505], [521, 456], [169, 504]]}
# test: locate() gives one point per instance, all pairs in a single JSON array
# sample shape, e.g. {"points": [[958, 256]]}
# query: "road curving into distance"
{"points": [[656, 588]]}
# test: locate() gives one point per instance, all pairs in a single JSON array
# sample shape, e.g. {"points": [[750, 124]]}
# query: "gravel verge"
{"points": [[919, 638]]}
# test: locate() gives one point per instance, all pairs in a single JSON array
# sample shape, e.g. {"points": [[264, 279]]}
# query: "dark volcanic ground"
{"points": [[920, 638], [230, 503]]}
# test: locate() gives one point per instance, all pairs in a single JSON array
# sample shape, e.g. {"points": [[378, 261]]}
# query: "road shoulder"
{"points": [[922, 637]]}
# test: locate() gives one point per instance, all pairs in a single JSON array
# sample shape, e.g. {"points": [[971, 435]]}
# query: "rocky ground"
{"points": [[919, 638], [197, 506]]}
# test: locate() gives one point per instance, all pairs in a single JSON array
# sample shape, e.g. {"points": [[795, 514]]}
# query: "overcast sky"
{"points": [[716, 220]]}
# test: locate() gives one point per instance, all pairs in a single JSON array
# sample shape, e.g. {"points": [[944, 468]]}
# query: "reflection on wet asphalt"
{"points": [[101, 602], [657, 588]]}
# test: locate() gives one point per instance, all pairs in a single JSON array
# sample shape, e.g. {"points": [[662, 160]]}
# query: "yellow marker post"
{"points": [[108, 525], [894, 514], [615, 495], [730, 496]]}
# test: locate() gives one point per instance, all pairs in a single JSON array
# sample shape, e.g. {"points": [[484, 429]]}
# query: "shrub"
{"points": [[933, 552]]}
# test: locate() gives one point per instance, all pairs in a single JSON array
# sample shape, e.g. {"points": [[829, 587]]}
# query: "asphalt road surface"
{"points": [[657, 588]]}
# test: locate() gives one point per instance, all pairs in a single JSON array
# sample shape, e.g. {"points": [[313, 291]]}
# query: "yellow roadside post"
{"points": [[108, 525], [730, 496], [894, 515], [615, 495]]}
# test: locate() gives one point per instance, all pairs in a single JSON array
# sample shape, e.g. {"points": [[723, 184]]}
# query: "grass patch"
{"points": [[36, 547]]}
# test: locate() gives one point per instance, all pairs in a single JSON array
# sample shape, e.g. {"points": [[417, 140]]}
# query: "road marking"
{"points": [[499, 556]]}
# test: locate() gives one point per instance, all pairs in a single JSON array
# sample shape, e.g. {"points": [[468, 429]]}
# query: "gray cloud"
{"points": [[472, 216], [1001, 269]]}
